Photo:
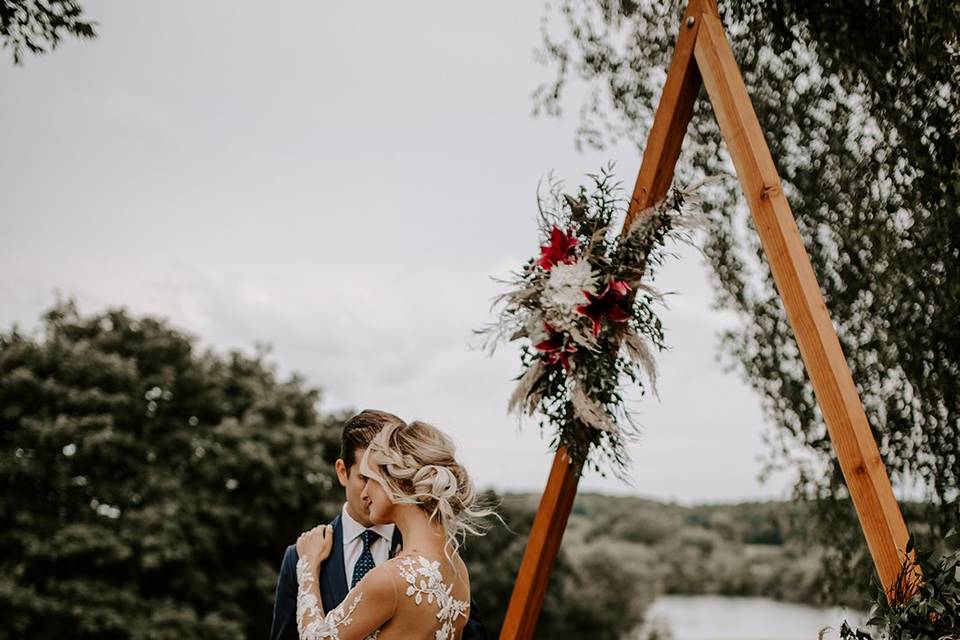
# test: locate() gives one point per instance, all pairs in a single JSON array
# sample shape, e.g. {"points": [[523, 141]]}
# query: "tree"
{"points": [[860, 104], [148, 489], [35, 25]]}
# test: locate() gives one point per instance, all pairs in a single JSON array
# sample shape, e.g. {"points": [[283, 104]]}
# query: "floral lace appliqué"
{"points": [[310, 620], [425, 582]]}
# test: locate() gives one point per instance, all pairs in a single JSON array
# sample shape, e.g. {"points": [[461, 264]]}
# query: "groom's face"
{"points": [[352, 481]]}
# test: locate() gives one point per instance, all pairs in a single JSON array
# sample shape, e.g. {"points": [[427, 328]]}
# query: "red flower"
{"points": [[556, 348], [609, 305], [559, 250]]}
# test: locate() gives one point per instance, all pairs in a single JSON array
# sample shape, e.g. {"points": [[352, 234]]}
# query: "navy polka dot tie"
{"points": [[365, 563]]}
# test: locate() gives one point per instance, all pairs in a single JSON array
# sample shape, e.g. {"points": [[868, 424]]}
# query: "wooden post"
{"points": [[702, 57], [659, 158], [542, 548], [673, 115], [833, 384]]}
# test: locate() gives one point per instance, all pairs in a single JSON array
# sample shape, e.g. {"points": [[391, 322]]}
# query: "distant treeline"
{"points": [[620, 553], [149, 489]]}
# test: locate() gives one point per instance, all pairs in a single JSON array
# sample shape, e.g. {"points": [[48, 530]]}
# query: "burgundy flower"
{"points": [[559, 250], [556, 348], [609, 305]]}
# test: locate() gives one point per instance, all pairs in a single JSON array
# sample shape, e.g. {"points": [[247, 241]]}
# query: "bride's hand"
{"points": [[316, 544]]}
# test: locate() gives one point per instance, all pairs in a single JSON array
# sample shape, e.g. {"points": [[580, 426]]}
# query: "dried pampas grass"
{"points": [[518, 399], [591, 413], [639, 351]]}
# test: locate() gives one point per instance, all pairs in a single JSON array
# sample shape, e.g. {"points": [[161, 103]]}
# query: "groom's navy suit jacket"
{"points": [[333, 589]]}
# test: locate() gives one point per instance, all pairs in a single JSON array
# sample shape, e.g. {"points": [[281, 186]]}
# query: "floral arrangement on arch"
{"points": [[584, 310]]}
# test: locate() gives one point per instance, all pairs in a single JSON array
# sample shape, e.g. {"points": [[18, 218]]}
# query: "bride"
{"points": [[411, 479]]}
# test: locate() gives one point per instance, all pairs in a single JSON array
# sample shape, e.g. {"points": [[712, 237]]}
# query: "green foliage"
{"points": [[860, 104], [699, 550], [933, 610], [763, 549], [34, 25], [753, 549], [147, 489]]}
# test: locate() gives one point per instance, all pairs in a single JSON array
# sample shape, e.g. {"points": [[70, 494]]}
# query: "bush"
{"points": [[148, 489]]}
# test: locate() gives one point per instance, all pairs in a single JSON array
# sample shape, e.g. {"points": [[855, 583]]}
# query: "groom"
{"points": [[358, 544]]}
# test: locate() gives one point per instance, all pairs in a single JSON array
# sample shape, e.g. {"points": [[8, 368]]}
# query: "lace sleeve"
{"points": [[365, 609]]}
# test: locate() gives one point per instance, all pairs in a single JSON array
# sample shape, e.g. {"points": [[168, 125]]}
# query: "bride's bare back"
{"points": [[411, 597]]}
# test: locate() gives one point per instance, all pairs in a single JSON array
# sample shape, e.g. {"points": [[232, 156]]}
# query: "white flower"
{"points": [[566, 284], [535, 329]]}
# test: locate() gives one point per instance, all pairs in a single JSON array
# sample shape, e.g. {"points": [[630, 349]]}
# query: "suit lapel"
{"points": [[333, 577]]}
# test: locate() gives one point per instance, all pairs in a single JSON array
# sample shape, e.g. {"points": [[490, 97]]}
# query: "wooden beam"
{"points": [[541, 552], [859, 458], [656, 172], [673, 115]]}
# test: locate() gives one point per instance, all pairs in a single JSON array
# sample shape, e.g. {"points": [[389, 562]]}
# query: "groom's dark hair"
{"points": [[359, 431]]}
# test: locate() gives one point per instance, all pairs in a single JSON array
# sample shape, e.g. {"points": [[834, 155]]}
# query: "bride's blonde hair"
{"points": [[416, 464]]}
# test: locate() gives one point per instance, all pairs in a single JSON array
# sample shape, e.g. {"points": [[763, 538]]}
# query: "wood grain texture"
{"points": [[673, 115], [541, 552], [836, 394]]}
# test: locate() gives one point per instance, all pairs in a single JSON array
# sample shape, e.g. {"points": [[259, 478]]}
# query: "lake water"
{"points": [[723, 618]]}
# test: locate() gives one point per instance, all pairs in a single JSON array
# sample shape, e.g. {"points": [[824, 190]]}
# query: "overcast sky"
{"points": [[341, 181]]}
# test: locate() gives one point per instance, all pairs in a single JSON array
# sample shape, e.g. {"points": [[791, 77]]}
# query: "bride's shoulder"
{"points": [[379, 583], [422, 571]]}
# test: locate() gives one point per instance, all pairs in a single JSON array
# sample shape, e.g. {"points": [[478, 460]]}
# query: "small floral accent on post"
{"points": [[585, 315]]}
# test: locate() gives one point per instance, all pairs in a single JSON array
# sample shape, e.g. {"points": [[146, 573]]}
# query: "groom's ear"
{"points": [[341, 469]]}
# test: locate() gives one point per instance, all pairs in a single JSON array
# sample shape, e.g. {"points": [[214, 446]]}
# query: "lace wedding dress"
{"points": [[408, 591]]}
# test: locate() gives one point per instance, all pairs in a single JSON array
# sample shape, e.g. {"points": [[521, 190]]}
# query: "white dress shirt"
{"points": [[353, 543]]}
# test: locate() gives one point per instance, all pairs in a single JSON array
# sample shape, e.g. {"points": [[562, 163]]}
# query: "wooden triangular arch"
{"points": [[703, 57]]}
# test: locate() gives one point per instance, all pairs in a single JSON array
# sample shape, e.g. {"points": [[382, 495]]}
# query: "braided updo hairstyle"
{"points": [[416, 465]]}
